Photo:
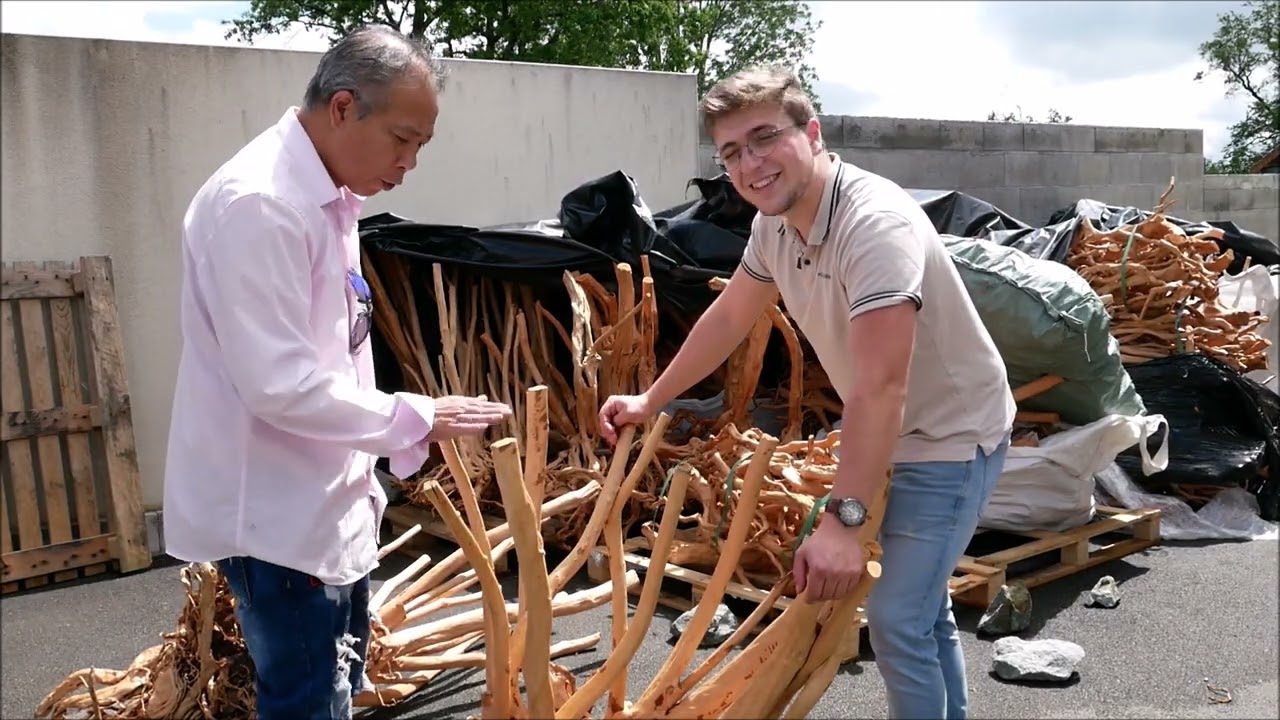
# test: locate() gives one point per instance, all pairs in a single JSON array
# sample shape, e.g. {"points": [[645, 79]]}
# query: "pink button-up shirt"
{"points": [[276, 422]]}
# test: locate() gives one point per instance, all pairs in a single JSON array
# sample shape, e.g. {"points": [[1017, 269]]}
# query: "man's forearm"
{"points": [[710, 342], [869, 430]]}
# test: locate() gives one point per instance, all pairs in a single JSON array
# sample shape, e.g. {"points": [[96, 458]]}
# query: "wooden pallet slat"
{"points": [[1074, 547], [61, 353]]}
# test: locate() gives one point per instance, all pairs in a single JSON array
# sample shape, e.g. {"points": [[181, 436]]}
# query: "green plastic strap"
{"points": [[728, 496], [809, 521], [1124, 266], [665, 485]]}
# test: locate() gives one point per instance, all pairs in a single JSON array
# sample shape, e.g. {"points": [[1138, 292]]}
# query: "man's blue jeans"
{"points": [[931, 516], [308, 640]]}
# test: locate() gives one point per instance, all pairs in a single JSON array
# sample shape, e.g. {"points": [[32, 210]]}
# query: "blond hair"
{"points": [[756, 86]]}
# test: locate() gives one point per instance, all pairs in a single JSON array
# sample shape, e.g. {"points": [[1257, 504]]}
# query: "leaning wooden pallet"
{"points": [[64, 388]]}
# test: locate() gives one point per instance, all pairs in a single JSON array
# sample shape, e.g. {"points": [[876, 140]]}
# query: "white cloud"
{"points": [[899, 59], [940, 60]]}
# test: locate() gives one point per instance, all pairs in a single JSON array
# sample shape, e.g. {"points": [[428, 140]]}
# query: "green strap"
{"points": [[728, 497], [666, 484], [1124, 265], [810, 521]]}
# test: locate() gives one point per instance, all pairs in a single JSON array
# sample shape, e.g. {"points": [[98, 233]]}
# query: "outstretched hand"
{"points": [[458, 416]]}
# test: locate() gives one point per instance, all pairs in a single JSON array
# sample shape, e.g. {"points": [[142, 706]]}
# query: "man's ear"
{"points": [[814, 131], [342, 108]]}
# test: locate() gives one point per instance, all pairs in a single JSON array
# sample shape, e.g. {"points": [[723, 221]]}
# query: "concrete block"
{"points": [[962, 135], [1032, 169], [1252, 198], [1217, 200], [1002, 136], [1158, 168], [1006, 199], [1058, 138], [1094, 168], [1117, 139], [1190, 168], [1170, 140], [832, 130], [1040, 203], [1123, 168], [895, 133], [1194, 143]]}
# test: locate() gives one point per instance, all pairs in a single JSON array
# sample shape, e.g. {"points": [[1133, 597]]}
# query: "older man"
{"points": [[276, 421], [868, 281]]}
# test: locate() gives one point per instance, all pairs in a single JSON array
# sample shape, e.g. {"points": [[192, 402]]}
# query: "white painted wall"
{"points": [[104, 142]]}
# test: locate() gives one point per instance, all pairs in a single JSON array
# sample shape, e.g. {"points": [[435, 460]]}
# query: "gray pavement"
{"points": [[1189, 612]]}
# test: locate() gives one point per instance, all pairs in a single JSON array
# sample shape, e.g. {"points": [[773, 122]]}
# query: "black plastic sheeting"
{"points": [[1223, 428]]}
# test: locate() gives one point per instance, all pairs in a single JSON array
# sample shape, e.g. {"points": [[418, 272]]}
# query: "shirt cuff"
{"points": [[415, 416]]}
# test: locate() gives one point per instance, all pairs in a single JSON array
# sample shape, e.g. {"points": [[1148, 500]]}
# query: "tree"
{"points": [[1053, 117], [710, 38], [1246, 50]]}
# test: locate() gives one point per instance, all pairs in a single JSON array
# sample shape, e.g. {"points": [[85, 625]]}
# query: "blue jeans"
{"points": [[931, 516], [307, 640]]}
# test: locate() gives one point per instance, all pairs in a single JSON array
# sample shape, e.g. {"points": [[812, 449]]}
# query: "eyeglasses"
{"points": [[360, 331], [760, 146]]}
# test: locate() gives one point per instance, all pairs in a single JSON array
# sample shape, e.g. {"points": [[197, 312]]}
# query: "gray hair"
{"points": [[366, 62]]}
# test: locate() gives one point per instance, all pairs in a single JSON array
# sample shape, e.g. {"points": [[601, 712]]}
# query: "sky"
{"points": [[1102, 63]]}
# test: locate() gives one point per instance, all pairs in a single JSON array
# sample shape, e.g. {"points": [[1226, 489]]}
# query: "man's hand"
{"points": [[458, 416], [829, 562], [621, 410]]}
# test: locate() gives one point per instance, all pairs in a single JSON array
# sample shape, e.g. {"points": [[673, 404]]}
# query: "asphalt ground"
{"points": [[1189, 613]]}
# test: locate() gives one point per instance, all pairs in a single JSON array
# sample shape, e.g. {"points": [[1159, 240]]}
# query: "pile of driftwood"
{"points": [[1160, 287], [202, 669], [501, 336], [610, 348]]}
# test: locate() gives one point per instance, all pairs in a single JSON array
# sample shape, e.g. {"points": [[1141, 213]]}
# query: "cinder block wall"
{"points": [[1250, 201], [1027, 170]]}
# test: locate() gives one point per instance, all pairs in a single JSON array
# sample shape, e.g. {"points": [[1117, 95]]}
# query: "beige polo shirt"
{"points": [[871, 246]]}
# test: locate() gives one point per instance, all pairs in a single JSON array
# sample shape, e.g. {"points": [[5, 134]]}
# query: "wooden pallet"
{"points": [[1075, 547], [402, 517], [69, 491]]}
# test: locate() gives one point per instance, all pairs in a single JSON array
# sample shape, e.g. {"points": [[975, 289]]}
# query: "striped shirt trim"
{"points": [[757, 275], [887, 295]]}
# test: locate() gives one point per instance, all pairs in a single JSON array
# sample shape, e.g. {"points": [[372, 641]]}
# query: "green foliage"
{"points": [[710, 38], [1052, 117], [1246, 50]]}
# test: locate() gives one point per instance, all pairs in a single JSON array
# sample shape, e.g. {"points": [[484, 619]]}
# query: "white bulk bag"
{"points": [[1050, 487]]}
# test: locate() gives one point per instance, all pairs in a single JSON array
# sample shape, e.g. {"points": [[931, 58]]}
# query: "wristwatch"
{"points": [[849, 511]]}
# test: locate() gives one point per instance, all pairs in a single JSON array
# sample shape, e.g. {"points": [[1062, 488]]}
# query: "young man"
{"points": [[869, 283], [276, 421]]}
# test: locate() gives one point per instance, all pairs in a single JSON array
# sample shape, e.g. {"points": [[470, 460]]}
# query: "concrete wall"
{"points": [[1029, 171], [104, 143], [1250, 201]]}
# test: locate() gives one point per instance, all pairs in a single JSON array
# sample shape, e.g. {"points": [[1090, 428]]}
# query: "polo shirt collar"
{"points": [[827, 207]]}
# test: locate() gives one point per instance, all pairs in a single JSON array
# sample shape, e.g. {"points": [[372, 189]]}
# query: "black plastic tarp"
{"points": [[1223, 428]]}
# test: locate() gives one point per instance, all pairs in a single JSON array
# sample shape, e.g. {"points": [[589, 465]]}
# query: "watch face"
{"points": [[851, 512]]}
